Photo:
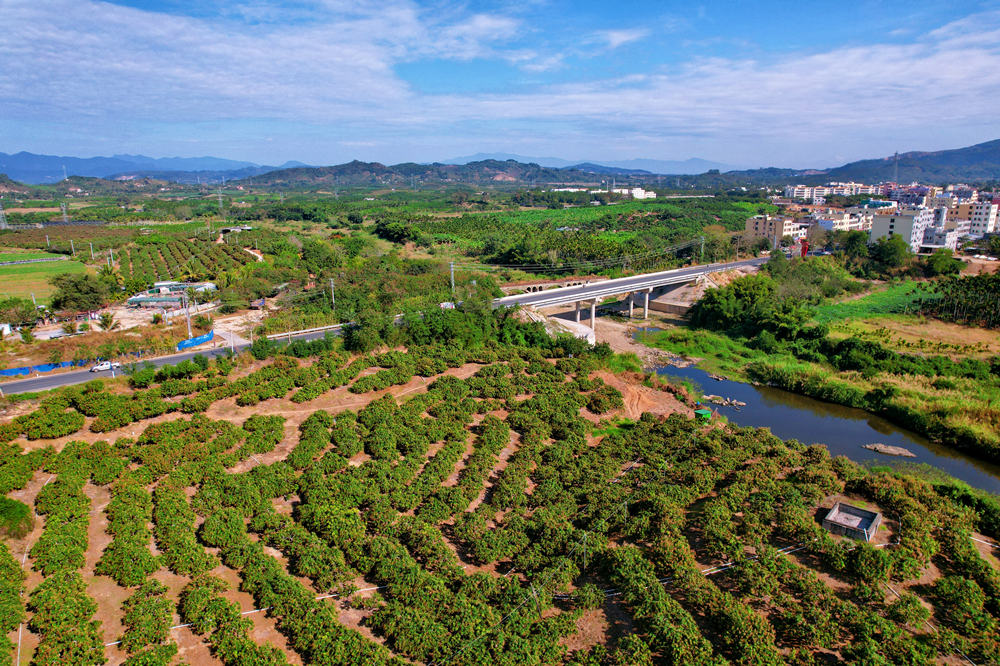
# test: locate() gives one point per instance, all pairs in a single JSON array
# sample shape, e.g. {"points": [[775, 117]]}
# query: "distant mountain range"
{"points": [[976, 163], [37, 169], [690, 166]]}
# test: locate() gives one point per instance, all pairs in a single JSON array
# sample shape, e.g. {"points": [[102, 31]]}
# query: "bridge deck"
{"points": [[564, 295]]}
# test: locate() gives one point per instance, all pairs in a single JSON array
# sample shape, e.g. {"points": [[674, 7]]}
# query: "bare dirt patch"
{"points": [[640, 399], [917, 330], [591, 629], [976, 266]]}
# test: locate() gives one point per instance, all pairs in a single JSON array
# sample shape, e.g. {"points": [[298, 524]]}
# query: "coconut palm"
{"points": [[107, 322], [111, 276]]}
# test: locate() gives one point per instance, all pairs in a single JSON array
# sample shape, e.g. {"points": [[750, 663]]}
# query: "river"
{"points": [[844, 430]]}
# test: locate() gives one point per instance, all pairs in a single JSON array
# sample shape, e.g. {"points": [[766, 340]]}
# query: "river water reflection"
{"points": [[843, 430]]}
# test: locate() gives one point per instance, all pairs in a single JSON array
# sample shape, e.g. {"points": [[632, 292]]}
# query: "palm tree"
{"points": [[69, 327], [110, 275], [107, 322]]}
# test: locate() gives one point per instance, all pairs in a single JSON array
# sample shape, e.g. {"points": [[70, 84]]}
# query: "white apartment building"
{"points": [[846, 189], [844, 220], [910, 224], [982, 216], [940, 237]]}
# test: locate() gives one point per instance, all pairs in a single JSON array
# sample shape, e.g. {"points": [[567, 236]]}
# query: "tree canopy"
{"points": [[79, 292]]}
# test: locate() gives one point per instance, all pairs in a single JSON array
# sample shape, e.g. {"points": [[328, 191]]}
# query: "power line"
{"points": [[596, 263]]}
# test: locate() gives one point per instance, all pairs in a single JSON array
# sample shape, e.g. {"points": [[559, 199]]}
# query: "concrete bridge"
{"points": [[591, 294]]}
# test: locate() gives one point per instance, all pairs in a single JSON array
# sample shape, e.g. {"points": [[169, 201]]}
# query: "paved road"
{"points": [[45, 382], [543, 298], [564, 295]]}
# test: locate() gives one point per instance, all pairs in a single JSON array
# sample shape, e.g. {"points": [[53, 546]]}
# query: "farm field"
{"points": [[7, 254], [895, 298], [461, 505], [23, 280], [181, 259]]}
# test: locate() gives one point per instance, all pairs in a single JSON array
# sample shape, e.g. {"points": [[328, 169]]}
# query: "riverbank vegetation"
{"points": [[486, 497], [778, 328]]}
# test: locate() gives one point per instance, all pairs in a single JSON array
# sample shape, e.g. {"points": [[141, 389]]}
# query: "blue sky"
{"points": [[776, 83]]}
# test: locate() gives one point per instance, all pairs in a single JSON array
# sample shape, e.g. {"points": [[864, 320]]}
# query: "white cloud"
{"points": [[89, 62], [615, 38]]}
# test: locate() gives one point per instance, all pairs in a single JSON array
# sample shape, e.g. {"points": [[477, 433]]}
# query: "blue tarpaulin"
{"points": [[194, 342], [44, 367]]}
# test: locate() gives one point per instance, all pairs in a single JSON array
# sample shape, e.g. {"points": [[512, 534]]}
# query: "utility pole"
{"points": [[3, 218], [112, 250], [47, 243], [33, 300], [702, 249], [91, 251], [333, 299], [72, 249], [187, 311], [65, 216], [452, 267]]}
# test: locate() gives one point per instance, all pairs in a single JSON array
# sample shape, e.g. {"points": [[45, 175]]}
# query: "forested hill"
{"points": [[485, 172], [973, 163]]}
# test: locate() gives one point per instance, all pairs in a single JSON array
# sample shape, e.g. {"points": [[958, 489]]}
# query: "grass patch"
{"points": [[18, 255], [618, 426], [627, 362], [716, 352], [23, 280], [899, 297], [16, 519]]}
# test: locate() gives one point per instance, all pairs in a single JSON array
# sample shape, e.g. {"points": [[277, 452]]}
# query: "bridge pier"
{"points": [[645, 306], [578, 312], [593, 315]]}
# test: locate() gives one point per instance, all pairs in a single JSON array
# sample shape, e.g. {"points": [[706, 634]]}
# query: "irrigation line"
{"points": [[20, 626], [24, 558], [787, 550], [576, 265], [933, 628]]}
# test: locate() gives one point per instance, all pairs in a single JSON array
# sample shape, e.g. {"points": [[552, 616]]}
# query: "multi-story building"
{"points": [[909, 224], [982, 216], [846, 189], [775, 228], [844, 220], [939, 237], [962, 192]]}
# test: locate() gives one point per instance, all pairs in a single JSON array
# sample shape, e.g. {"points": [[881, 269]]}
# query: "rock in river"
{"points": [[890, 450]]}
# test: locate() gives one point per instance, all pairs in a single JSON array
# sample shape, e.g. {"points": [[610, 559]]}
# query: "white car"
{"points": [[105, 366]]}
